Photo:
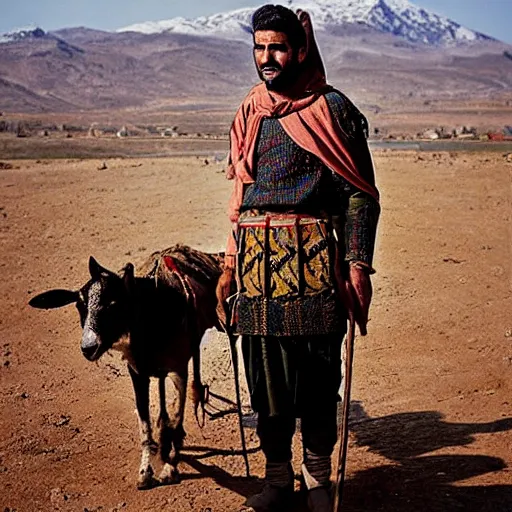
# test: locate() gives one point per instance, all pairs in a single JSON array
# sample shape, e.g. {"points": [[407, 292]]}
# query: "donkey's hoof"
{"points": [[169, 475], [146, 480]]}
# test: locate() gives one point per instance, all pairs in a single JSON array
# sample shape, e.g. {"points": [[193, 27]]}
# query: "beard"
{"points": [[285, 78]]}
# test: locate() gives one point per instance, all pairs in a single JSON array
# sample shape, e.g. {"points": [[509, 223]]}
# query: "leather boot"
{"points": [[319, 500], [316, 472], [277, 493]]}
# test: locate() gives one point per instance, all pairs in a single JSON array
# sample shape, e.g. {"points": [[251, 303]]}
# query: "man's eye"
{"points": [[279, 48]]}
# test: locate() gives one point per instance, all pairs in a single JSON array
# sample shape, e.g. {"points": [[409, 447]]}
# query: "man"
{"points": [[304, 210]]}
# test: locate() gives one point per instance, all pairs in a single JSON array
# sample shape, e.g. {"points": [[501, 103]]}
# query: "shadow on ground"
{"points": [[410, 434], [415, 481]]}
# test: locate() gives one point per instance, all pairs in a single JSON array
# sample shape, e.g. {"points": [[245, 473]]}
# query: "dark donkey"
{"points": [[156, 320]]}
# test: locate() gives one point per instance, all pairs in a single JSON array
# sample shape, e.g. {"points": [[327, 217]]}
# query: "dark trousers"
{"points": [[319, 435], [294, 377]]}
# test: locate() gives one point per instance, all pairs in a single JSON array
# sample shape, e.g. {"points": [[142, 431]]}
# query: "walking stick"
{"points": [[234, 359], [343, 428]]}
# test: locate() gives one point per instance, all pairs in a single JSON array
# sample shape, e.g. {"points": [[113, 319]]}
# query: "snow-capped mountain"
{"points": [[399, 17], [22, 33]]}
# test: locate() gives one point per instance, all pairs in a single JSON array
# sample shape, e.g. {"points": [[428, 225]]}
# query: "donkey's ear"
{"points": [[129, 278], [96, 270], [53, 299]]}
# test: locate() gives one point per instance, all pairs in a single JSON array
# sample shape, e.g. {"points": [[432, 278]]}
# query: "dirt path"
{"points": [[432, 411]]}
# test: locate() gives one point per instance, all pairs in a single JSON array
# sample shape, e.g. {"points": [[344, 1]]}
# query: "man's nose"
{"points": [[266, 56]]}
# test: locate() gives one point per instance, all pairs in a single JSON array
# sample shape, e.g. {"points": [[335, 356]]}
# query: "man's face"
{"points": [[276, 61]]}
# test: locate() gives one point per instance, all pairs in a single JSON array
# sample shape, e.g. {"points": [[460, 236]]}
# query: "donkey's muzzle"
{"points": [[90, 345]]}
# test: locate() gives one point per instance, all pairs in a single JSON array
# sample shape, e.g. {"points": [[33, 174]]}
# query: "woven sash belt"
{"points": [[285, 277]]}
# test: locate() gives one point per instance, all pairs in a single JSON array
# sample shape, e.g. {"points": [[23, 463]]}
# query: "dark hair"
{"points": [[280, 19]]}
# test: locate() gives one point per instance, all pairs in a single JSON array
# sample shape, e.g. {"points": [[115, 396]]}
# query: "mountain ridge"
{"points": [[398, 17], [86, 69]]}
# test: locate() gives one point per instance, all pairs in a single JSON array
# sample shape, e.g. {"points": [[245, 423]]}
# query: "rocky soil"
{"points": [[431, 422]]}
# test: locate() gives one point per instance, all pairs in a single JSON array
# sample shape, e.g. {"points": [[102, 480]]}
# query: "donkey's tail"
{"points": [[200, 392]]}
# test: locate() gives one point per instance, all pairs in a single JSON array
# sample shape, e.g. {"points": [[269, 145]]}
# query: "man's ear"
{"points": [[301, 56]]}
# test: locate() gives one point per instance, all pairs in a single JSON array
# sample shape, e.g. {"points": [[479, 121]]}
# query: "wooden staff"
{"points": [[343, 428]]}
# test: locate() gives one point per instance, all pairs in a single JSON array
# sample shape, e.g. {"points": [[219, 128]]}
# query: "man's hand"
{"points": [[362, 292], [226, 287]]}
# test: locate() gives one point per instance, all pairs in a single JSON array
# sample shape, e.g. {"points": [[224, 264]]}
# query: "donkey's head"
{"points": [[104, 304]]}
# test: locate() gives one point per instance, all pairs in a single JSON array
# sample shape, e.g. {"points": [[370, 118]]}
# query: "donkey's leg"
{"points": [[171, 428], [167, 475], [141, 388]]}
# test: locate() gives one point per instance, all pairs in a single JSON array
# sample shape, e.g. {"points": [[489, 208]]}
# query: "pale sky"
{"points": [[492, 17]]}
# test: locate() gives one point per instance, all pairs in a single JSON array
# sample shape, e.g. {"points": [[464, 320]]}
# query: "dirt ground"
{"points": [[431, 422]]}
